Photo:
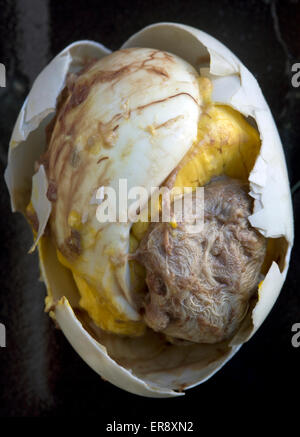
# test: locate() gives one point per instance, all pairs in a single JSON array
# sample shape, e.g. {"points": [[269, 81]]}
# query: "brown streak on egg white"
{"points": [[102, 159], [108, 131], [63, 157], [78, 94], [158, 71], [169, 122], [140, 108]]}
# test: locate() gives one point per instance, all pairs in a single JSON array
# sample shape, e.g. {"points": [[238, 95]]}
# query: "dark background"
{"points": [[40, 374]]}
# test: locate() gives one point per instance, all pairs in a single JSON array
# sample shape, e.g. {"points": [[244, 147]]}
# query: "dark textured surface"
{"points": [[40, 374]]}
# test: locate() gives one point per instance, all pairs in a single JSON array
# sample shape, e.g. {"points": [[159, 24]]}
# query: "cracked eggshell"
{"points": [[134, 364]]}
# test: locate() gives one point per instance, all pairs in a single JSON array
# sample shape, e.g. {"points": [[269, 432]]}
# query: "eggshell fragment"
{"points": [[145, 366], [40, 202], [97, 357]]}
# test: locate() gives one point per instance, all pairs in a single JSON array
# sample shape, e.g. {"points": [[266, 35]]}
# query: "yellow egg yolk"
{"points": [[226, 145], [103, 312]]}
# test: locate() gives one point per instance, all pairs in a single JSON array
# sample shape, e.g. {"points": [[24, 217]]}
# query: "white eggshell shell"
{"points": [[40, 202]]}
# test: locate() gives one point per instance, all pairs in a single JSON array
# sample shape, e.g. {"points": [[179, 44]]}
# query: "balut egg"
{"points": [[149, 306]]}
